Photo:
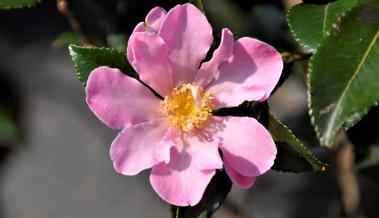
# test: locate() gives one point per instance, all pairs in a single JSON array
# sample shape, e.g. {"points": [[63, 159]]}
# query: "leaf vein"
{"points": [[357, 70], [324, 20]]}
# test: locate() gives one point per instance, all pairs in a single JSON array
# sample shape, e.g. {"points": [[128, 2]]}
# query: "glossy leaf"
{"points": [[293, 155], [311, 24], [343, 78], [13, 4], [214, 196], [88, 58]]}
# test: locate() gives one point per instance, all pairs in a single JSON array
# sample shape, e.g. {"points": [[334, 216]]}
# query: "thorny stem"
{"points": [[346, 176], [76, 25]]}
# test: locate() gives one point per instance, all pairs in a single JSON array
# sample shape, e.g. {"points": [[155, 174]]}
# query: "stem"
{"points": [[289, 57], [346, 176], [76, 25]]}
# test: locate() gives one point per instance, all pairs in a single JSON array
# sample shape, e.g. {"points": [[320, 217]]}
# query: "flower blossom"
{"points": [[176, 135]]}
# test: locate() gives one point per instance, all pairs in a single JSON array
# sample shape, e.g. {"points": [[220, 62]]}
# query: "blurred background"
{"points": [[54, 159]]}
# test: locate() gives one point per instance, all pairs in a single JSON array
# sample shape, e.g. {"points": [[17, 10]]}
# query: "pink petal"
{"points": [[118, 100], [193, 161], [247, 146], [129, 50], [180, 182], [238, 179], [189, 36], [154, 19], [209, 70], [167, 141], [152, 23], [250, 74], [203, 150], [136, 146], [150, 60]]}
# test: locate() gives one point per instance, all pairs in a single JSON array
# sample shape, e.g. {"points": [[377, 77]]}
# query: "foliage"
{"points": [[343, 73], [88, 58], [311, 24], [292, 155], [341, 38], [13, 4]]}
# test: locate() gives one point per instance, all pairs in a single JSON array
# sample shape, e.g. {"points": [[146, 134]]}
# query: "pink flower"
{"points": [[178, 137]]}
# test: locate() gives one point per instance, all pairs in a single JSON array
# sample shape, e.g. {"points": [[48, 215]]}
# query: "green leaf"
{"points": [[88, 58], [311, 24], [214, 196], [66, 38], [293, 156], [343, 77], [13, 4], [198, 4]]}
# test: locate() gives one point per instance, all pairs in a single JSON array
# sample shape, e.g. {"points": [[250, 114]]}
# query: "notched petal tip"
{"points": [[154, 19], [251, 74], [150, 60], [210, 70], [129, 50]]}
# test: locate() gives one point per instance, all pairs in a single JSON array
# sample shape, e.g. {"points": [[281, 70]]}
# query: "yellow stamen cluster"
{"points": [[188, 107]]}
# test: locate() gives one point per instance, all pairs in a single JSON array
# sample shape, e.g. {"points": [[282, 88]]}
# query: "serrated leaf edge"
{"points": [[323, 141], [325, 33], [297, 39], [20, 6], [71, 51], [312, 159]]}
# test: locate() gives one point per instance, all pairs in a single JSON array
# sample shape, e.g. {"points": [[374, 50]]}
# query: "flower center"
{"points": [[188, 106]]}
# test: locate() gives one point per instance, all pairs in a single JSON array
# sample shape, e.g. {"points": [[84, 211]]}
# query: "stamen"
{"points": [[196, 95], [188, 107]]}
